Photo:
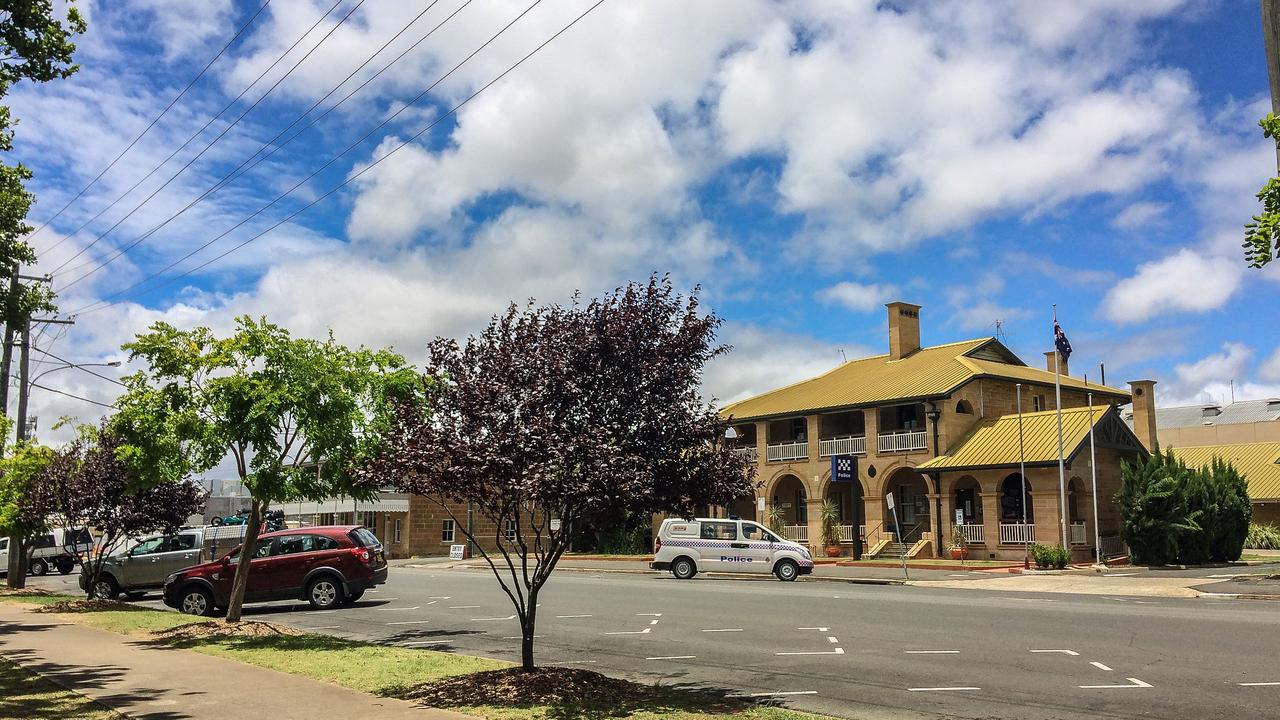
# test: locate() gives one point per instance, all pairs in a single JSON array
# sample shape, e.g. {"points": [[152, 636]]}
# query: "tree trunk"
{"points": [[526, 632], [17, 569], [246, 555]]}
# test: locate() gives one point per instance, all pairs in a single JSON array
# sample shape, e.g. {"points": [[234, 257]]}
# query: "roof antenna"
{"points": [[842, 356], [1000, 330]]}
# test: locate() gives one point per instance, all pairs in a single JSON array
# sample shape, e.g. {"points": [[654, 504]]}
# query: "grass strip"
{"points": [[28, 696]]}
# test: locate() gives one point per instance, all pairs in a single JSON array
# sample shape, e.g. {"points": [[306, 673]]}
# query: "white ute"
{"points": [[687, 547]]}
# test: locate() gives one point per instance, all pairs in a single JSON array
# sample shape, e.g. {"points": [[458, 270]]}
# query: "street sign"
{"points": [[959, 516], [888, 498], [844, 468], [555, 524], [760, 504]]}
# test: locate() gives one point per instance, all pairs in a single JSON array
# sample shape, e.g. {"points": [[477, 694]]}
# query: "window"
{"points": [[397, 535], [510, 531], [292, 544], [1037, 403], [45, 541], [446, 531], [4, 544], [323, 542], [799, 429], [148, 546], [964, 408], [186, 541], [261, 550], [719, 531]]}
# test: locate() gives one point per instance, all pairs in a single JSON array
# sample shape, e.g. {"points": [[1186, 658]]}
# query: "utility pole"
{"points": [[24, 379], [1271, 42]]}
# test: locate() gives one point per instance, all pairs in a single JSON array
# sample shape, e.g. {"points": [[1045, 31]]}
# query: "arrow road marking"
{"points": [[1064, 652], [1136, 683]]}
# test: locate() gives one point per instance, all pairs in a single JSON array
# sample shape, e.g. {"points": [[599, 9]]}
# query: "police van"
{"points": [[687, 547]]}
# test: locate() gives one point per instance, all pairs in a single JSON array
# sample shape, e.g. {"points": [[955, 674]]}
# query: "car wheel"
{"points": [[105, 588], [353, 597], [683, 568], [196, 601], [66, 565], [786, 570], [324, 593], [216, 522], [39, 567]]}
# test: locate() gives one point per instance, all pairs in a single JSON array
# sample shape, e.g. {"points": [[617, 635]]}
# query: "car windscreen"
{"points": [[365, 537]]}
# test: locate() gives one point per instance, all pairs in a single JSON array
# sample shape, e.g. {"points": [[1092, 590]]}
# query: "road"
{"points": [[850, 650]]}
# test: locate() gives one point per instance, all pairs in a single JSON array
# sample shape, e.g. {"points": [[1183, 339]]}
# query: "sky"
{"points": [[802, 163]]}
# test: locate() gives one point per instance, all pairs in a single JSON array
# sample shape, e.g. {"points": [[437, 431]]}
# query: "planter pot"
{"points": [[959, 553], [832, 550]]}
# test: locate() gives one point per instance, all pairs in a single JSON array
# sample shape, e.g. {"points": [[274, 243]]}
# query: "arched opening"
{"points": [[744, 508], [847, 498], [966, 497], [789, 508], [964, 408], [1014, 501], [1079, 533], [911, 504]]}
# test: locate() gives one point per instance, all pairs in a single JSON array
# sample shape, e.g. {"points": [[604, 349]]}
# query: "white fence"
{"points": [[789, 451], [846, 532], [1079, 534], [847, 445], [973, 534], [902, 441], [1017, 533], [749, 454], [798, 533]]}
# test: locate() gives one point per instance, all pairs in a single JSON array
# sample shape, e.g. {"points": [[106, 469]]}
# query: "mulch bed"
{"points": [[214, 629], [542, 686], [24, 592], [86, 606]]}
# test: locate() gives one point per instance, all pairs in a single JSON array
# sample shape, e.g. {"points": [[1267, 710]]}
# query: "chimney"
{"points": [[1050, 357], [1144, 412], [904, 329]]}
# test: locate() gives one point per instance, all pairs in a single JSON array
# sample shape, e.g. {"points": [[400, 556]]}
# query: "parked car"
{"points": [[144, 565], [687, 547], [326, 566], [57, 549]]}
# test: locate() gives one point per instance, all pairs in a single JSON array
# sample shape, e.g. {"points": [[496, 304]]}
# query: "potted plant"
{"points": [[830, 517], [777, 521], [959, 544]]}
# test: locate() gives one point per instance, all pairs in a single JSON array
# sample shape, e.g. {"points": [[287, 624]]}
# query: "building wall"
{"points": [[1177, 437]]}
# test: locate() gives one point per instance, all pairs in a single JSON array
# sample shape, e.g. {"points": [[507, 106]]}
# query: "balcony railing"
{"points": [[798, 533], [1017, 533], [788, 451], [750, 454], [1078, 534], [974, 534], [902, 441], [846, 445]]}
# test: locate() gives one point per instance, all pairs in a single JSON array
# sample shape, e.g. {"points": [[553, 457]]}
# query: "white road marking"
{"points": [[1064, 652], [630, 632], [778, 694], [425, 642], [831, 639], [653, 622], [415, 607], [1135, 683], [673, 657], [963, 575], [837, 651], [572, 662], [388, 599], [433, 602], [562, 617], [941, 689], [463, 607], [932, 652], [410, 622], [509, 617], [819, 629], [648, 614], [1130, 574], [724, 630], [1258, 684], [1100, 666]]}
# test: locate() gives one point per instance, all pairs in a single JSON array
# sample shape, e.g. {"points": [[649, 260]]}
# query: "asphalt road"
{"points": [[850, 650]]}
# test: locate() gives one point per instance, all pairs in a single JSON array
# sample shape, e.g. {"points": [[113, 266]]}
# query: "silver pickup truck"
{"points": [[143, 566]]}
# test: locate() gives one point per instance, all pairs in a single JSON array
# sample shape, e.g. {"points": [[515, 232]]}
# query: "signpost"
{"points": [[898, 531]]}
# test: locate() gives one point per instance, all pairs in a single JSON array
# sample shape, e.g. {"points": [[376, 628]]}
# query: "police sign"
{"points": [[844, 468]]}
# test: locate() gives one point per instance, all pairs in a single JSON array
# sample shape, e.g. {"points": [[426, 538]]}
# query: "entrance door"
{"points": [[758, 544]]}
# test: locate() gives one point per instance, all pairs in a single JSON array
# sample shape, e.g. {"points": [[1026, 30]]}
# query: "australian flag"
{"points": [[1060, 340]]}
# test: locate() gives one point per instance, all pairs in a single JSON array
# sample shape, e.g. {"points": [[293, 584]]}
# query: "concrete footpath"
{"points": [[159, 683]]}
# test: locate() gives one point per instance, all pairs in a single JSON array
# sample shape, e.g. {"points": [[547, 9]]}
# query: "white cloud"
{"points": [[1204, 379], [857, 296], [1269, 370], [1139, 214], [1187, 281], [764, 359]]}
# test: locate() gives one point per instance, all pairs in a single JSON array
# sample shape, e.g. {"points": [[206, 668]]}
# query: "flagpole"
{"points": [[1062, 466], [1093, 467], [1022, 473]]}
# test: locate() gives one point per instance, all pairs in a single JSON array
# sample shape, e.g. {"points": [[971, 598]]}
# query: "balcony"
{"points": [[847, 445], [1017, 533], [902, 441], [748, 454], [782, 452]]}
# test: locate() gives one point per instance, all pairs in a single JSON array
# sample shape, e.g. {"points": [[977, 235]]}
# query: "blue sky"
{"points": [[803, 162]]}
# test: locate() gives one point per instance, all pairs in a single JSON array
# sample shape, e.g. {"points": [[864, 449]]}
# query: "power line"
{"points": [[77, 397], [197, 134], [256, 159], [452, 111], [150, 125], [104, 301], [68, 363]]}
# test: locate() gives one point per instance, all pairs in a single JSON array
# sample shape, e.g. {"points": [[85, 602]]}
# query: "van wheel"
{"points": [[66, 565], [684, 569], [39, 567], [324, 593], [786, 570], [196, 601]]}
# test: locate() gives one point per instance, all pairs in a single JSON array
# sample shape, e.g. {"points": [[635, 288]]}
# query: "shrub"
{"points": [[1263, 537], [1050, 556]]}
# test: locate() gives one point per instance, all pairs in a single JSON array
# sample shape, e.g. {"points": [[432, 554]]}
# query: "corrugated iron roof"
{"points": [[995, 442], [1256, 461], [929, 372]]}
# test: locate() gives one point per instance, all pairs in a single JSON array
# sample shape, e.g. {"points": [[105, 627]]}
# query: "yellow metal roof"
{"points": [[928, 372], [995, 442], [1256, 461]]}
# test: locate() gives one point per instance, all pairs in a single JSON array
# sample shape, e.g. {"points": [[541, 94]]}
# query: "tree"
{"points": [[1262, 234], [295, 415], [25, 502], [1154, 506], [554, 417], [93, 487]]}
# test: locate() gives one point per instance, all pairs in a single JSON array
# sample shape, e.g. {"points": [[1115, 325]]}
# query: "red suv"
{"points": [[327, 566]]}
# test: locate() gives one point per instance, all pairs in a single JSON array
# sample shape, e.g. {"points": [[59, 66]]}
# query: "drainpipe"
{"points": [[933, 413]]}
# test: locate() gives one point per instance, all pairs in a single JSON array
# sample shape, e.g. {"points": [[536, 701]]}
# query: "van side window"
{"points": [[719, 531]]}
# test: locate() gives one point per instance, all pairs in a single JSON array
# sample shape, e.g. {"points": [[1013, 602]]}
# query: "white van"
{"points": [[687, 547]]}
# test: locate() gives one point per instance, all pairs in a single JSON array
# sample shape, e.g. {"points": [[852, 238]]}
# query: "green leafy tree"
{"points": [[295, 415], [1262, 234], [25, 501], [1153, 503]]}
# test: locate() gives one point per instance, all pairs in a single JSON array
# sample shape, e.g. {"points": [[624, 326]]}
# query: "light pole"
{"points": [[28, 384]]}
